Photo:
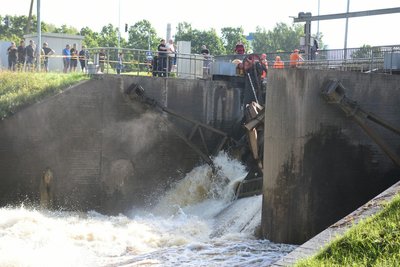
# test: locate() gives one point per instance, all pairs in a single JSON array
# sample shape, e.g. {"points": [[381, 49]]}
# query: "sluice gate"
{"points": [[252, 185]]}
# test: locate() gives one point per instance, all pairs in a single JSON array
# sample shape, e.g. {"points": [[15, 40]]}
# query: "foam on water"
{"points": [[196, 223]]}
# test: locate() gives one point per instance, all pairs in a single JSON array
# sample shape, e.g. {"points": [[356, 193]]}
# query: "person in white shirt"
{"points": [[171, 54]]}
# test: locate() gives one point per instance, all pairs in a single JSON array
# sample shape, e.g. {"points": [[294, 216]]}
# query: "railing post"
{"points": [[391, 60], [108, 58]]}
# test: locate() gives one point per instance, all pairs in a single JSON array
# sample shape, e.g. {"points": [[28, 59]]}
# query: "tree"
{"points": [[142, 35], [367, 52], [66, 30], [282, 38], [108, 36], [15, 29], [230, 36], [90, 37], [198, 38], [184, 32], [210, 39]]}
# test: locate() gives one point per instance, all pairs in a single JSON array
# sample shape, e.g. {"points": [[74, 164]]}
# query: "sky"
{"points": [[207, 14]]}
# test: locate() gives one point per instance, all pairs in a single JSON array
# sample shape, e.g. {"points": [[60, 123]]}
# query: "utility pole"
{"points": [[119, 24], [28, 24], [318, 20], [346, 30], [39, 33]]}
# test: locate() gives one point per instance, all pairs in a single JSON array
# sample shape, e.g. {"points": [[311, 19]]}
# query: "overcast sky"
{"points": [[207, 14]]}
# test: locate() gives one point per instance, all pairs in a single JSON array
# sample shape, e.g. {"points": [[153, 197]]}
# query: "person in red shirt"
{"points": [[295, 58]]}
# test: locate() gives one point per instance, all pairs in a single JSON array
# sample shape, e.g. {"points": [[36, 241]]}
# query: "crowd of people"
{"points": [[295, 58], [24, 58]]}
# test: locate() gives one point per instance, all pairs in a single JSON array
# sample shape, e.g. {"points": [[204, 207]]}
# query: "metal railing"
{"points": [[363, 59], [385, 59], [149, 63], [382, 59]]}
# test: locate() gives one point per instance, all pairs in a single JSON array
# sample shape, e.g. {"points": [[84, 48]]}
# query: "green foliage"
{"points": [[373, 242], [199, 38], [282, 38], [230, 37], [367, 51], [66, 30], [210, 39], [141, 35], [108, 36], [15, 30], [90, 37], [19, 89]]}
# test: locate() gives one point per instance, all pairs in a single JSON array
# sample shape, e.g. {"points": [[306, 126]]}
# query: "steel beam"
{"points": [[347, 15]]}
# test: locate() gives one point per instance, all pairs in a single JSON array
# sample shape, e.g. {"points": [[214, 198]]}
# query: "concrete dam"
{"points": [[104, 151], [99, 149]]}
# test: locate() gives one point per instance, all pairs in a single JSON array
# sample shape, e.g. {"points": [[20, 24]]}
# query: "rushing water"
{"points": [[196, 223]]}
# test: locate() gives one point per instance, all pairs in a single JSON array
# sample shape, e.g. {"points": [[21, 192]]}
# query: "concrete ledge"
{"points": [[319, 241]]}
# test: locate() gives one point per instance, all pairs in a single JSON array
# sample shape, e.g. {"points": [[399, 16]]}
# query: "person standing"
{"points": [[239, 48], [47, 51], [120, 63], [264, 66], [66, 58], [314, 50], [295, 58], [21, 51], [162, 59], [83, 58], [102, 60], [31, 55], [171, 54], [206, 53], [74, 58], [278, 64], [12, 56]]}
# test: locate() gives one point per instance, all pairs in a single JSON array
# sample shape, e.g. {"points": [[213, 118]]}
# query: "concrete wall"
{"points": [[106, 152], [319, 164]]}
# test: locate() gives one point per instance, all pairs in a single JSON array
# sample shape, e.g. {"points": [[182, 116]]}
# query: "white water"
{"points": [[195, 224]]}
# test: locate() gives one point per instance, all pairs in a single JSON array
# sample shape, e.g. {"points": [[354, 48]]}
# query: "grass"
{"points": [[373, 242], [19, 89]]}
